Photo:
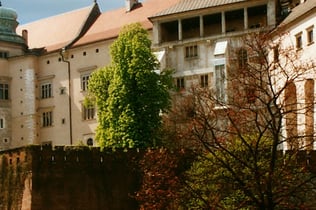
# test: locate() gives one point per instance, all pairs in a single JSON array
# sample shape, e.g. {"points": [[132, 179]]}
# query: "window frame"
{"points": [[310, 35], [4, 54], [2, 123], [46, 90], [47, 118], [4, 91], [299, 41], [204, 80], [84, 81], [88, 112], [242, 58], [191, 51], [220, 82], [180, 83], [276, 54]]}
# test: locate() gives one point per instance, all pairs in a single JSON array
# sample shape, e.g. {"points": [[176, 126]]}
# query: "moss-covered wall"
{"points": [[14, 170]]}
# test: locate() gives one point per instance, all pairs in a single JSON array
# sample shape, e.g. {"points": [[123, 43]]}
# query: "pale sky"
{"points": [[31, 10]]}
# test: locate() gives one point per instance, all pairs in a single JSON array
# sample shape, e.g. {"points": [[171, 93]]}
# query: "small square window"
{"points": [[62, 90], [191, 51]]}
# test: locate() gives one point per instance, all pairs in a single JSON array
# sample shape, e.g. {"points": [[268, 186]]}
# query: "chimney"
{"points": [[25, 36], [130, 4]]}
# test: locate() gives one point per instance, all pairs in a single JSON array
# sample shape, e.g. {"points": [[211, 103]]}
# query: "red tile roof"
{"points": [[56, 32], [109, 24]]}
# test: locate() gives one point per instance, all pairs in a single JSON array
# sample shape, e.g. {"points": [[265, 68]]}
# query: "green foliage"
{"points": [[240, 176], [129, 95]]}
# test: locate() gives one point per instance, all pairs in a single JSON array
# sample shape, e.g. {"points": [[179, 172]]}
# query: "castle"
{"points": [[45, 65]]}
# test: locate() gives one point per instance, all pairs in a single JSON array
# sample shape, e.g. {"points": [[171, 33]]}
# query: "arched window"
{"points": [[90, 142], [309, 113], [291, 116]]}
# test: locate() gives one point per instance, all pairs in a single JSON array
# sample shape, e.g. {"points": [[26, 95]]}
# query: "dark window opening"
{"points": [[90, 142], [4, 91], [191, 51], [310, 36], [169, 31], [276, 54], [257, 16], [180, 83], [4, 54], [47, 119], [191, 28], [234, 20], [212, 24], [299, 42], [204, 80]]}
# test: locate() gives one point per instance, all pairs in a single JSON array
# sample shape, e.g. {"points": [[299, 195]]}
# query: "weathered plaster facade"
{"points": [[46, 71]]}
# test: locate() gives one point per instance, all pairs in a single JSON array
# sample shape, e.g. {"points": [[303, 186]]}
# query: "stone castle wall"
{"points": [[76, 178], [66, 178]]}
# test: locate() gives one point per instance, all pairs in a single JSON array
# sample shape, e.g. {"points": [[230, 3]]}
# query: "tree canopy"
{"points": [[129, 95], [254, 143]]}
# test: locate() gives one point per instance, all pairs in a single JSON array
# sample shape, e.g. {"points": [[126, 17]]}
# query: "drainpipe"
{"points": [[64, 57]]}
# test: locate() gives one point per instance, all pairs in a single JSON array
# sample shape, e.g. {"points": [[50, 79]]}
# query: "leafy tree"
{"points": [[129, 95], [241, 135]]}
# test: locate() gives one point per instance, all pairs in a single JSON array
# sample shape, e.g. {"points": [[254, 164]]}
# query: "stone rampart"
{"points": [[77, 178]]}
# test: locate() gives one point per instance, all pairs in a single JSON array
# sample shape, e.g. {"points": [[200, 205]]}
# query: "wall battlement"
{"points": [[41, 177], [61, 155]]}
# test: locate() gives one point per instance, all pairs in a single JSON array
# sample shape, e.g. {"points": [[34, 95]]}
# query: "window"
{"points": [[4, 54], [180, 83], [2, 123], [220, 82], [204, 80], [84, 82], [4, 91], [310, 35], [46, 90], [191, 51], [62, 90], [276, 54], [90, 142], [299, 42], [242, 58], [88, 112], [47, 119]]}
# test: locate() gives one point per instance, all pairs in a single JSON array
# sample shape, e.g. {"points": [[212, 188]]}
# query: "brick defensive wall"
{"points": [[68, 178], [77, 178]]}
